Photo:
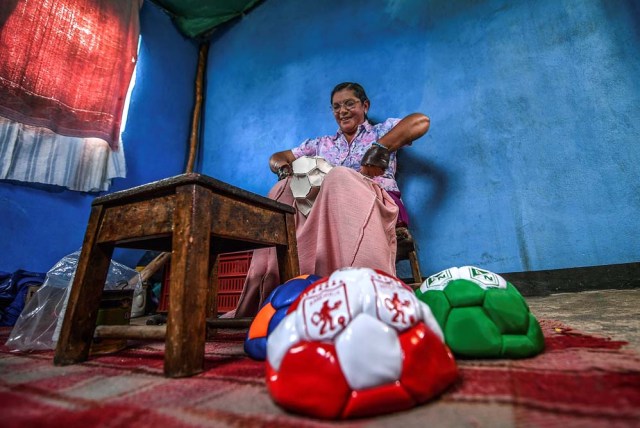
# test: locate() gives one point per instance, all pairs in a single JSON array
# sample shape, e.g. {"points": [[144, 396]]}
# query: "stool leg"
{"points": [[288, 263], [81, 313], [186, 322], [415, 267], [212, 296]]}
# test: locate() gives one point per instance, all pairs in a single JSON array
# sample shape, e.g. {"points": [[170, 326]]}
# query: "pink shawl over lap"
{"points": [[352, 223]]}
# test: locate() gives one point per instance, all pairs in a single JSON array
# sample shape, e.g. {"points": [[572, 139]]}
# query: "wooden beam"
{"points": [[197, 108], [158, 332], [142, 332]]}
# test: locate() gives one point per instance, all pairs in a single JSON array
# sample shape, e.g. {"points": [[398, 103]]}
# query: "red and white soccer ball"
{"points": [[358, 343]]}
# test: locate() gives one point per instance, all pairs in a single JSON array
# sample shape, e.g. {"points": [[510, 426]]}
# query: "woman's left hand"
{"points": [[375, 160], [371, 171]]}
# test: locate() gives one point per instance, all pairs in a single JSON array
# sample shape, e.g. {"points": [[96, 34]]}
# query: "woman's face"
{"points": [[348, 110]]}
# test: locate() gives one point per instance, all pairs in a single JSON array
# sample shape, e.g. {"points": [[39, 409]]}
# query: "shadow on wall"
{"points": [[412, 167]]}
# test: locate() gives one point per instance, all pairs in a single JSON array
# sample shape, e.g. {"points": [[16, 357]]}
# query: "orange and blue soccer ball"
{"points": [[272, 312]]}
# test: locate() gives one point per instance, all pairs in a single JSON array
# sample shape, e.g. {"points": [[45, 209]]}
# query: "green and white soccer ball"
{"points": [[481, 314]]}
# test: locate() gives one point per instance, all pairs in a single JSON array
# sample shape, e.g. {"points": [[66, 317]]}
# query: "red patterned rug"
{"points": [[580, 380]]}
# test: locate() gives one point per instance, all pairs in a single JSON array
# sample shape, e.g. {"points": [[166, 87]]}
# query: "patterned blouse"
{"points": [[338, 152]]}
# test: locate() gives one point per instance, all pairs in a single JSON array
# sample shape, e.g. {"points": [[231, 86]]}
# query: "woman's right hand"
{"points": [[280, 163], [283, 171]]}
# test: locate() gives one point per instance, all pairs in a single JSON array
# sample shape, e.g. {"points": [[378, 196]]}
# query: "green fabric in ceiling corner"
{"points": [[195, 18]]}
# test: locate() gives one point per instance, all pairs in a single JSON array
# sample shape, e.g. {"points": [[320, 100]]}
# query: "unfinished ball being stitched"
{"points": [[308, 174]]}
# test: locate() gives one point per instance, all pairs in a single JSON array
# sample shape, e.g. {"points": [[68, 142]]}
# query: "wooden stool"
{"points": [[193, 216]]}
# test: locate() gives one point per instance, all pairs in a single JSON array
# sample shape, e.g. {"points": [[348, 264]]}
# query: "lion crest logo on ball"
{"points": [[326, 313]]}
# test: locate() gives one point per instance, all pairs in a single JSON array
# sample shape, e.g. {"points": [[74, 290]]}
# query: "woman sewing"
{"points": [[358, 207]]}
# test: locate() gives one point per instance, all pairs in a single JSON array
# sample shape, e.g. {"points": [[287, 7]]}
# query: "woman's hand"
{"points": [[280, 163], [371, 171], [375, 160], [284, 171]]}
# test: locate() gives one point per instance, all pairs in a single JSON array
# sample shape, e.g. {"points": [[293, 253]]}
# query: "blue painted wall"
{"points": [[532, 158], [40, 225], [531, 162]]}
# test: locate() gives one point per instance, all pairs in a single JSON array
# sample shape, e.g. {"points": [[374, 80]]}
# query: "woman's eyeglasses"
{"points": [[349, 105]]}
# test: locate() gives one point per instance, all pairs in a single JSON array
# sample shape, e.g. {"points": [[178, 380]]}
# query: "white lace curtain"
{"points": [[37, 155]]}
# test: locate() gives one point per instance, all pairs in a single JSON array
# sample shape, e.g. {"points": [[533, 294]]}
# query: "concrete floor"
{"points": [[609, 313]]}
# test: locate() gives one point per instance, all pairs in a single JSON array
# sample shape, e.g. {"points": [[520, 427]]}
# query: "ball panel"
{"points": [[524, 345], [483, 278], [365, 362], [381, 399], [323, 165], [323, 315], [462, 292], [300, 186], [507, 310], [276, 319], [316, 177], [310, 381], [439, 280], [428, 367], [395, 306], [516, 346], [281, 339], [439, 305], [256, 348], [260, 323], [285, 294], [255, 344], [469, 332], [326, 308], [303, 164]]}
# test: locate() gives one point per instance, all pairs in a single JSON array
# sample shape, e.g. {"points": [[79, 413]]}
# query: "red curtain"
{"points": [[66, 64]]}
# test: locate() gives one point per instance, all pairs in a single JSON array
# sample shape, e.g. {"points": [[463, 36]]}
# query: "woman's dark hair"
{"points": [[357, 89]]}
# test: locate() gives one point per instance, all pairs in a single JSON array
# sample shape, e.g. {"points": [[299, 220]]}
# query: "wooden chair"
{"points": [[406, 250], [193, 216]]}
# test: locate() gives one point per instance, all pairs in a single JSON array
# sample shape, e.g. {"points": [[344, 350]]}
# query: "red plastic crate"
{"points": [[163, 305], [234, 264], [232, 271], [227, 302], [230, 285]]}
